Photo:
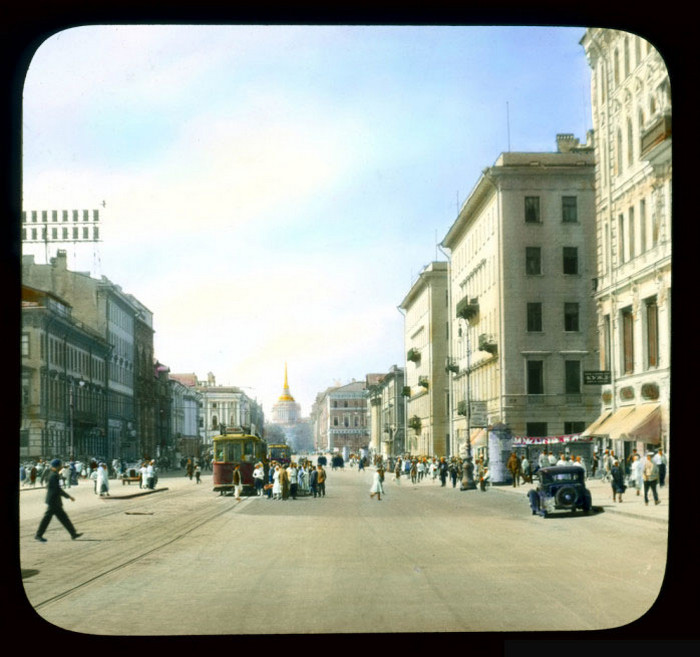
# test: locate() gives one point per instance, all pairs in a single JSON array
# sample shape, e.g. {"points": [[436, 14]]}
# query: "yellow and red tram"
{"points": [[279, 452], [233, 448]]}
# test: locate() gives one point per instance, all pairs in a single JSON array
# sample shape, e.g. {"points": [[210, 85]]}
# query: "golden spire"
{"points": [[286, 395]]}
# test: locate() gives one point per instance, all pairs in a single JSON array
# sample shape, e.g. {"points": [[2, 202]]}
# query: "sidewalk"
{"points": [[601, 492], [119, 490]]}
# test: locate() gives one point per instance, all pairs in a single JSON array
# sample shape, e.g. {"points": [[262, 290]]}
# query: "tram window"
{"points": [[249, 447], [233, 452], [219, 455]]}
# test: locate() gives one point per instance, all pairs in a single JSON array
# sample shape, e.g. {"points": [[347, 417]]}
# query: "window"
{"points": [[570, 260], [571, 314], [536, 429], [652, 315], [621, 239], [627, 341], [572, 377], [569, 209], [533, 260], [65, 215], [574, 427], [65, 233], [535, 377], [630, 232], [335, 421], [25, 344], [534, 317], [75, 233], [605, 346], [630, 143], [532, 209], [75, 215]]}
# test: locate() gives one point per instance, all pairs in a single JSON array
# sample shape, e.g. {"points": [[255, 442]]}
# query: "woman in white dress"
{"points": [[276, 485], [636, 474], [103, 480], [377, 487]]}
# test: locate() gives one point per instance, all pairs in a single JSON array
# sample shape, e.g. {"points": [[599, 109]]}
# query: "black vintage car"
{"points": [[560, 488]]}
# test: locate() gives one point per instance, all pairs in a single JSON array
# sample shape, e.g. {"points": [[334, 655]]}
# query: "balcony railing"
{"points": [[487, 343], [423, 381], [413, 355], [467, 308]]}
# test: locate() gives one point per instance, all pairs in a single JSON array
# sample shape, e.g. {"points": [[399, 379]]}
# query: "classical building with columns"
{"points": [[631, 107]]}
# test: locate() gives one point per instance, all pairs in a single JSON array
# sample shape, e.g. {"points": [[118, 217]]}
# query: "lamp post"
{"points": [[468, 469]]}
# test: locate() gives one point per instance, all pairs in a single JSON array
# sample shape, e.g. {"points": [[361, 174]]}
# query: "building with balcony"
{"points": [[426, 313], [521, 333], [387, 397], [631, 109]]}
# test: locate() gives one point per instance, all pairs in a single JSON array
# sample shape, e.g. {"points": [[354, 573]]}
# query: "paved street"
{"points": [[186, 561]]}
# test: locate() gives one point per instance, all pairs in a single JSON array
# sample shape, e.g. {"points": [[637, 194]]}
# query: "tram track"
{"points": [[160, 523]]}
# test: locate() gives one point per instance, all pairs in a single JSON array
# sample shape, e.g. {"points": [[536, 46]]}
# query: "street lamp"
{"points": [[468, 469]]}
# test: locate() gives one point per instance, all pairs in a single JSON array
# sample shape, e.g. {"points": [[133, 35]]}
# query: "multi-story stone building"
{"points": [[223, 407], [340, 419], [64, 382], [185, 425], [426, 333], [522, 321], [147, 406], [631, 107], [104, 307], [387, 412]]}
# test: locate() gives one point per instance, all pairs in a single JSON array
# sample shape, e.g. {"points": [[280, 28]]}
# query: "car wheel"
{"points": [[566, 496]]}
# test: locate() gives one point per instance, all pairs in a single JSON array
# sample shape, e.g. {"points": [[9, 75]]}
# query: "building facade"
{"points": [[185, 425], [63, 382], [522, 319], [631, 108], [340, 419], [426, 335], [105, 308], [387, 395]]}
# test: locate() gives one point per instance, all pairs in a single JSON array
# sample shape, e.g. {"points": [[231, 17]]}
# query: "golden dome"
{"points": [[286, 395]]}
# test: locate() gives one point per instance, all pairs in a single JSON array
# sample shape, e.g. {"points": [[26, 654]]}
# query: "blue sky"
{"points": [[273, 192]]}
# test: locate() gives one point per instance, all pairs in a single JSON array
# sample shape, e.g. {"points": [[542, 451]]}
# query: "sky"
{"points": [[272, 192]]}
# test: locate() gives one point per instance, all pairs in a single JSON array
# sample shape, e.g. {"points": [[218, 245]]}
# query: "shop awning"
{"points": [[593, 428], [610, 424], [643, 424]]}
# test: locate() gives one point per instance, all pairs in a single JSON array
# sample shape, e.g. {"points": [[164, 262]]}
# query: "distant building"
{"points": [[286, 411], [222, 407], [631, 99], [340, 419]]}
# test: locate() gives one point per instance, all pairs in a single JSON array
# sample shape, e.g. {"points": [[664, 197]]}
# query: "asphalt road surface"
{"points": [[186, 561]]}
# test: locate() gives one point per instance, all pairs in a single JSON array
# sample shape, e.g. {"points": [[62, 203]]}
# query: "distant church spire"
{"points": [[286, 395]]}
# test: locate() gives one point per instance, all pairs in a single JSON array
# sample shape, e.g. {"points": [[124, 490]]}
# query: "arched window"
{"points": [[214, 422]]}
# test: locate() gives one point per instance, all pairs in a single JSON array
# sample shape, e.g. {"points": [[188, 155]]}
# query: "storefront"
{"points": [[628, 428]]}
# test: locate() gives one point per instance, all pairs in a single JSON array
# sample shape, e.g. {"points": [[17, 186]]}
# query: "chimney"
{"points": [[566, 142]]}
